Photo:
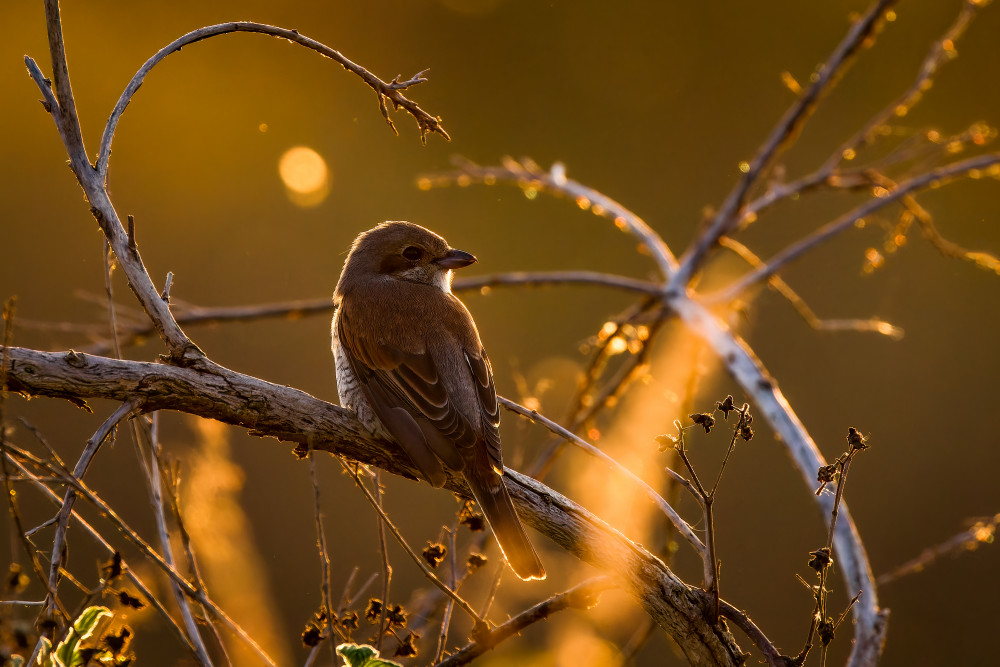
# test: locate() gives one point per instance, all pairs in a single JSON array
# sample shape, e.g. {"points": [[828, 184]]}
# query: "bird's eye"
{"points": [[413, 253]]}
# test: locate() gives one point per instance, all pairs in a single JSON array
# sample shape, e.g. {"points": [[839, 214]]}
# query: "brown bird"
{"points": [[411, 365]]}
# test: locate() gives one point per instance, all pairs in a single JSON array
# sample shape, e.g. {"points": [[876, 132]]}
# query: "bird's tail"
{"points": [[491, 494]]}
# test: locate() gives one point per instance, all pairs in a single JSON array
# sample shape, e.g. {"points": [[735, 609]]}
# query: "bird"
{"points": [[411, 365]]}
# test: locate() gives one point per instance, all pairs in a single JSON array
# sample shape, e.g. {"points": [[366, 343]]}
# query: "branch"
{"points": [[385, 90], [292, 415], [787, 128], [931, 178], [581, 596], [680, 524], [531, 178], [746, 368]]}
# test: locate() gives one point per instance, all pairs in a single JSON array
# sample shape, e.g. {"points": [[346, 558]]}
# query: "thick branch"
{"points": [[288, 414]]}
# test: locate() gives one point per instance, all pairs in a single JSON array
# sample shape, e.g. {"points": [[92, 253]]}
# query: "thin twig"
{"points": [[383, 551], [129, 573], [173, 494], [581, 596], [123, 412], [442, 643], [132, 536], [158, 503], [778, 284], [740, 619], [794, 251], [979, 533], [681, 525], [463, 605], [326, 586]]}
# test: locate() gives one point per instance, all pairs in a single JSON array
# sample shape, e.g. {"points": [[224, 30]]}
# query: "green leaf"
{"points": [[363, 656], [45, 653], [67, 653]]}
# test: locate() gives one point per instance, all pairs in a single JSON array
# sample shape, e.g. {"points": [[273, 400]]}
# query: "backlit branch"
{"points": [[289, 414]]}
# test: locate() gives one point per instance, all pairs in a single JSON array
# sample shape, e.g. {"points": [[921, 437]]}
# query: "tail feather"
{"points": [[493, 498]]}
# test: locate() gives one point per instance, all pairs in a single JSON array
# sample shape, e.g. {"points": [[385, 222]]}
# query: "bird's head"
{"points": [[404, 251]]}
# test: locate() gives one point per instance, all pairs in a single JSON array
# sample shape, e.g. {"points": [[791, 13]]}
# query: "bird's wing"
{"points": [[489, 407], [409, 396]]}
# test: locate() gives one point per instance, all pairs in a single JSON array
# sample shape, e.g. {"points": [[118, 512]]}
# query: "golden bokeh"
{"points": [[305, 175]]}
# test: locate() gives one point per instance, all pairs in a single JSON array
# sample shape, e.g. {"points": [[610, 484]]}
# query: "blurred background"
{"points": [[250, 164]]}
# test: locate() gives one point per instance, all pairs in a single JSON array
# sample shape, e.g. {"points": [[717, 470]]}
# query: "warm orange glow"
{"points": [[220, 531], [305, 175]]}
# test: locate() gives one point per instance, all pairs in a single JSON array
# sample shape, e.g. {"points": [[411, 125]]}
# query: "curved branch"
{"points": [[288, 414], [529, 175], [385, 90], [747, 369], [61, 105]]}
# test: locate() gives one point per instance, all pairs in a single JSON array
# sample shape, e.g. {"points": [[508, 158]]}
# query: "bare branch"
{"points": [[289, 414], [787, 128], [581, 596], [124, 411], [385, 90], [931, 178], [942, 52], [158, 503], [764, 393], [784, 289], [151, 554], [682, 526], [187, 314], [981, 532], [531, 178]]}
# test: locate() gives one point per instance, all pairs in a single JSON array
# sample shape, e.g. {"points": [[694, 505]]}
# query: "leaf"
{"points": [[363, 655], [85, 625]]}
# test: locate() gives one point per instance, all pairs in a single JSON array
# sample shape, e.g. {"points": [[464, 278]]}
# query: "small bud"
{"points": [[434, 554], [127, 600], [475, 561], [349, 621], [827, 474], [408, 647], [666, 441], [471, 519], [827, 630], [703, 419], [373, 610], [312, 635], [855, 439], [726, 406], [396, 616], [821, 559]]}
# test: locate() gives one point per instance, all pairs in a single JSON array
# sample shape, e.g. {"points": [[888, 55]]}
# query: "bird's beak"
{"points": [[456, 259]]}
